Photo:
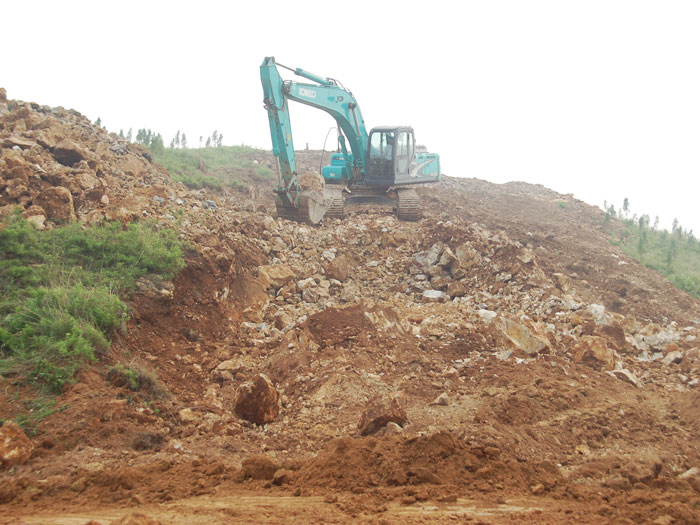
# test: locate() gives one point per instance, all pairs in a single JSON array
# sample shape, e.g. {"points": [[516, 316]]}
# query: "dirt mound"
{"points": [[437, 459]]}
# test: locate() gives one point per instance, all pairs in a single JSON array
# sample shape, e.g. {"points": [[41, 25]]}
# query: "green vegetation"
{"points": [[59, 292], [212, 165], [676, 254], [37, 410], [184, 165], [136, 378]]}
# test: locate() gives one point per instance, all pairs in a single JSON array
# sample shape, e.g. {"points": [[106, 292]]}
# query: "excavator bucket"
{"points": [[311, 207]]}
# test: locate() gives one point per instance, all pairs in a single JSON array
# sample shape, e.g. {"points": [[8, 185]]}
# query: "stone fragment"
{"points": [[187, 415], [441, 400], [310, 295], [434, 295], [671, 358], [379, 411], [57, 201], [306, 283], [467, 256], [38, 221], [457, 289], [341, 268], [693, 472], [594, 352], [275, 275], [447, 258], [68, 152], [282, 320], [625, 375], [15, 188], [257, 401], [518, 336], [87, 181], [15, 446]]}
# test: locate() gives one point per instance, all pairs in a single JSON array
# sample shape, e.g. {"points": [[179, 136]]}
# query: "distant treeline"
{"points": [[675, 253]]}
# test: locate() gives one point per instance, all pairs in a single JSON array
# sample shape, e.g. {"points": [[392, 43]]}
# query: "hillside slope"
{"points": [[499, 360]]}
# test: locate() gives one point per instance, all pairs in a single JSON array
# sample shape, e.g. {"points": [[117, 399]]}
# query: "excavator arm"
{"points": [[325, 95]]}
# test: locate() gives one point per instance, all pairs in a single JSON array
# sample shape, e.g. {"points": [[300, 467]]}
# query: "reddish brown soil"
{"points": [[522, 438]]}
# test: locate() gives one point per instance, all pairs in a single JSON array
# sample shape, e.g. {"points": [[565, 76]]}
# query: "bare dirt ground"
{"points": [[540, 375]]}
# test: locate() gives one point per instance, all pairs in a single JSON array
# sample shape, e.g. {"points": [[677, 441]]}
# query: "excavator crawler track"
{"points": [[407, 205]]}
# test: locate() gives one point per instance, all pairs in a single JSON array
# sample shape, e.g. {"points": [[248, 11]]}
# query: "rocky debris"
{"points": [[15, 446], [58, 160], [380, 410], [257, 401]]}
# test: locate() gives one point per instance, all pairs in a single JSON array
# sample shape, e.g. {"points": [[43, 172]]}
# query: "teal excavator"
{"points": [[381, 167]]}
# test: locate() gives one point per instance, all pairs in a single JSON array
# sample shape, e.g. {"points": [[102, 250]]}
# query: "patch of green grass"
{"points": [[37, 410], [137, 379], [221, 163], [675, 254], [59, 289]]}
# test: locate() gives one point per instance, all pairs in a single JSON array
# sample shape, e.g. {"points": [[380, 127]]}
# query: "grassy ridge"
{"points": [[675, 254], [184, 164], [59, 292]]}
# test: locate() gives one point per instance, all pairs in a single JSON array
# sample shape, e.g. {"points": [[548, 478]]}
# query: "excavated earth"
{"points": [[529, 370]]}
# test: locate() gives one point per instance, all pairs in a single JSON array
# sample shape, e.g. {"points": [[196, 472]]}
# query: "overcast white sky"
{"points": [[598, 98]]}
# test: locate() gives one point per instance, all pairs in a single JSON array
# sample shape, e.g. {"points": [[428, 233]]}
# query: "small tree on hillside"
{"points": [[183, 141], [129, 135]]}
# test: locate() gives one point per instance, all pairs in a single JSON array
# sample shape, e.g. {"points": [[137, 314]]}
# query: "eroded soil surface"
{"points": [[541, 375]]}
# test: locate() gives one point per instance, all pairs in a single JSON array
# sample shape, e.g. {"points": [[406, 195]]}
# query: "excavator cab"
{"points": [[392, 158], [381, 158]]}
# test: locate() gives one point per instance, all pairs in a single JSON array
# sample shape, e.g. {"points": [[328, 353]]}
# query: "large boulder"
{"points": [[467, 256], [341, 268], [57, 201], [275, 275], [380, 410], [68, 152], [15, 447], [257, 401], [594, 352], [518, 336]]}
